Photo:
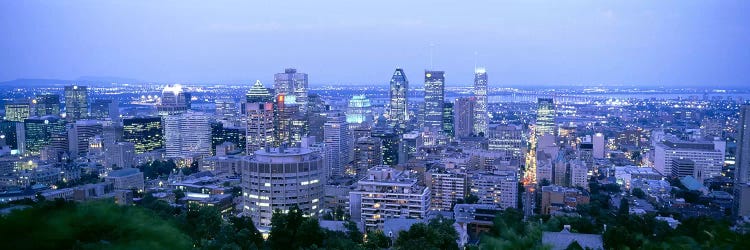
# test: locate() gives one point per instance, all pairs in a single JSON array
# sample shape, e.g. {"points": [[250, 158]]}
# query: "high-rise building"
{"points": [[507, 139], [398, 108], [9, 132], [545, 117], [463, 119], [448, 128], [336, 138], [76, 102], [368, 153], [742, 165], [17, 111], [708, 157], [258, 93], [598, 145], [79, 135], [481, 119], [446, 188], [292, 85], [317, 110], [386, 193], [221, 134], [146, 133], [499, 188], [409, 146], [225, 109], [47, 104], [279, 179], [187, 135], [119, 154], [260, 127], [174, 100], [105, 108], [360, 111], [290, 121], [390, 141], [434, 98], [39, 132]]}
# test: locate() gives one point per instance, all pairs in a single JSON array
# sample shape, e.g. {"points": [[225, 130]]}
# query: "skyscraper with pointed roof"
{"points": [[398, 112]]}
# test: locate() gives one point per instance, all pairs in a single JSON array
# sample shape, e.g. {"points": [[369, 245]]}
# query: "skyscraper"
{"points": [[545, 117], [76, 102], [187, 135], [174, 100], [39, 131], [463, 119], [258, 93], [260, 128], [368, 153], [336, 138], [80, 134], [481, 120], [105, 108], [398, 112], [448, 114], [17, 111], [742, 166], [434, 97], [47, 104], [145, 132], [292, 85], [360, 110]]}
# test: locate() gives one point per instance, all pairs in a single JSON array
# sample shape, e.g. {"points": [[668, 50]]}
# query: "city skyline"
{"points": [[522, 44]]}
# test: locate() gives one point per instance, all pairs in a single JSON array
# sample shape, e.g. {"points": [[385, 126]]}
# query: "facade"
{"points": [[119, 154], [386, 193], [260, 127], [79, 135], [187, 135], [434, 98], [146, 133], [368, 152], [336, 138], [105, 108], [39, 132], [446, 188], [507, 139], [463, 119], [46, 104], [448, 128], [17, 111], [742, 166], [481, 119], [76, 102], [278, 178], [499, 188], [398, 108], [545, 117], [126, 178], [360, 110], [598, 145], [292, 85], [708, 157], [557, 198]]}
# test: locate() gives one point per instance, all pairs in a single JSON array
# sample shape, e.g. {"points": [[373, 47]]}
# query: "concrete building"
{"points": [[260, 126], [507, 139], [80, 133], [76, 102], [368, 152], [742, 173], [280, 178], [338, 144], [481, 118], [499, 188], [557, 198], [463, 116], [388, 193], [707, 156], [126, 178], [119, 154], [187, 135], [434, 98], [446, 188]]}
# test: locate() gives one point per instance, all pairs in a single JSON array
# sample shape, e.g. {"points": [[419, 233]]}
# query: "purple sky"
{"points": [[521, 43]]}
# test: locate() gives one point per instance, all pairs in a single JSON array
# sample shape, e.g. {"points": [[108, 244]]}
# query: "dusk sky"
{"points": [[521, 43]]}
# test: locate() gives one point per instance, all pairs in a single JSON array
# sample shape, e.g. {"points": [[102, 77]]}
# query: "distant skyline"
{"points": [[520, 43]]}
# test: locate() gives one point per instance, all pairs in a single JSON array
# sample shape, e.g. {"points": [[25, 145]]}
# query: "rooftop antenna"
{"points": [[432, 45]]}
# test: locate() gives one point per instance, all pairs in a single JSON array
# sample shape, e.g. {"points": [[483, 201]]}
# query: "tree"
{"points": [[293, 231], [377, 240], [437, 234], [637, 192], [352, 232]]}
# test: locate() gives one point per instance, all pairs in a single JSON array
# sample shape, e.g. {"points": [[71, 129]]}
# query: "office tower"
{"points": [[434, 97], [221, 134], [292, 85], [446, 188], [507, 139], [598, 145], [545, 117], [499, 188], [120, 155], [9, 135], [368, 153], [105, 108], [225, 109], [360, 111], [390, 141], [47, 104], [742, 165], [317, 111], [290, 122], [39, 132], [17, 111], [145, 132], [336, 138], [398, 112], [586, 153], [707, 156], [258, 93], [387, 193], [174, 100], [463, 119], [448, 114], [79, 135], [481, 119], [260, 127], [187, 135], [410, 143], [279, 179], [76, 102]]}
